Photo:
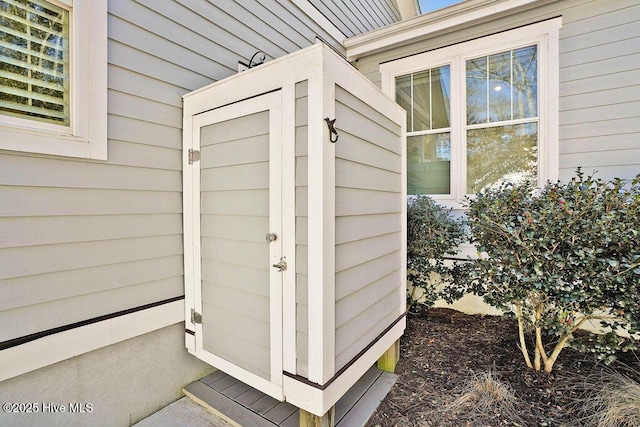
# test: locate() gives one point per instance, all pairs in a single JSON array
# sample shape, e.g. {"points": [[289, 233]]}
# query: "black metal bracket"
{"points": [[333, 133], [259, 61]]}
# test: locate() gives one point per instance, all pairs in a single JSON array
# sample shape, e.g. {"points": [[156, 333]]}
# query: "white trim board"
{"points": [[429, 25], [74, 342], [86, 137], [545, 35], [318, 401]]}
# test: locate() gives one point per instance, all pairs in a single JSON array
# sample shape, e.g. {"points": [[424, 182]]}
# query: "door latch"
{"points": [[270, 237], [194, 156], [281, 266]]}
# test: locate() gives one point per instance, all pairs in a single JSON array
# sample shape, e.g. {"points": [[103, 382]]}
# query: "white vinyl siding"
{"points": [[368, 225], [82, 239], [599, 75], [599, 83], [354, 17]]}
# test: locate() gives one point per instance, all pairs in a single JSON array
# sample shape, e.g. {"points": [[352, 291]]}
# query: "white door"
{"points": [[238, 240]]}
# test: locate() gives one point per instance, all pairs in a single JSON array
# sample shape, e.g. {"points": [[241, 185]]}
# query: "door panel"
{"points": [[240, 291]]}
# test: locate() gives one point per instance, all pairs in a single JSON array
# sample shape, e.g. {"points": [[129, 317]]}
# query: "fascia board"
{"points": [[446, 20]]}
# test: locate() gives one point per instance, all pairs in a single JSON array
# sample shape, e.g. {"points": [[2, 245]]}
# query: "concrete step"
{"points": [[184, 412]]}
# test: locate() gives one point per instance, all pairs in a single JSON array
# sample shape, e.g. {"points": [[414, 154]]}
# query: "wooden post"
{"points": [[389, 359], [307, 419]]}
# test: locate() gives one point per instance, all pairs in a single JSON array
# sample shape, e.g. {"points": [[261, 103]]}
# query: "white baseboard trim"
{"points": [[318, 401], [64, 345]]}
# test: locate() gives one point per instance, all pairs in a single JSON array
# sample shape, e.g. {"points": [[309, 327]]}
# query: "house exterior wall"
{"points": [[82, 239], [599, 79], [355, 16]]}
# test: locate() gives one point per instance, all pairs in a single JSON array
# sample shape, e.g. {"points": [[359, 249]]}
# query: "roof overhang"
{"points": [[408, 8], [461, 15]]}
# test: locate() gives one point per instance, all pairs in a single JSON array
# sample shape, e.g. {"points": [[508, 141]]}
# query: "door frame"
{"points": [[271, 102]]}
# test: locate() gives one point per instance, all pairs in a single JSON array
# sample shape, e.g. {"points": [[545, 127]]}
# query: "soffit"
{"points": [[462, 15]]}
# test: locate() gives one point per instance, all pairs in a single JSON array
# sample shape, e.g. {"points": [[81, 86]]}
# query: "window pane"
{"points": [[425, 97], [501, 153], [477, 90], [403, 97], [503, 86], [525, 82], [440, 89], [429, 164], [34, 61], [421, 101], [500, 87]]}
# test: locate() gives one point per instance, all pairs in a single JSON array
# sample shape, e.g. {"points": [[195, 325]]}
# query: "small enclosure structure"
{"points": [[294, 226]]}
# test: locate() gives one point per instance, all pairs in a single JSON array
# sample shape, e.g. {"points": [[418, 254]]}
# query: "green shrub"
{"points": [[559, 257], [432, 235]]}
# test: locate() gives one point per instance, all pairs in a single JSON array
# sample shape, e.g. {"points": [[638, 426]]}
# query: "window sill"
{"points": [[32, 141]]}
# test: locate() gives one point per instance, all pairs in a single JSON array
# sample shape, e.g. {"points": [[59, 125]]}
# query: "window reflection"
{"points": [[502, 86], [421, 101], [440, 89], [403, 97], [425, 97], [525, 83], [429, 164], [499, 82], [501, 153], [477, 90]]}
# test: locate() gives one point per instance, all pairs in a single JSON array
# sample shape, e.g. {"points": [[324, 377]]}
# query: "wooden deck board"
{"points": [[280, 412], [223, 383], [292, 421], [246, 406], [224, 407], [215, 376], [264, 405], [355, 393], [236, 390], [361, 411], [249, 397]]}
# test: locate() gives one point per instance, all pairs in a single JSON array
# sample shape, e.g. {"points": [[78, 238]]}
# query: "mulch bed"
{"points": [[442, 349]]}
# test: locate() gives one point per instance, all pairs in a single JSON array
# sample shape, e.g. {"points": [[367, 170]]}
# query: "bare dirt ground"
{"points": [[442, 350]]}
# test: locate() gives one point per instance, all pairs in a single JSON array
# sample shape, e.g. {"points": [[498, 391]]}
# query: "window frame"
{"points": [[86, 137], [545, 35]]}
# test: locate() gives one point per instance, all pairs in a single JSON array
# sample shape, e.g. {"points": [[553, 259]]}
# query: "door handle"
{"points": [[281, 266], [270, 237]]}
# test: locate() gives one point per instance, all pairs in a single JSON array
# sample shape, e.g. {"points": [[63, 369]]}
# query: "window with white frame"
{"points": [[480, 112], [53, 77]]}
